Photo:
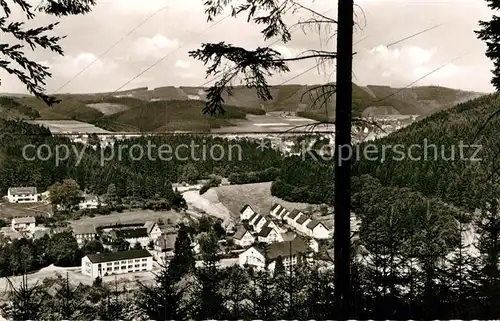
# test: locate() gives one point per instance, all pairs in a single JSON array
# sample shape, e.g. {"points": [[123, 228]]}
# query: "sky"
{"points": [[179, 26]]}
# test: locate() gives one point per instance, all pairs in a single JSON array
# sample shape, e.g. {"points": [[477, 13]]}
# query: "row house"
{"points": [[269, 235], [243, 237], [132, 236], [301, 222], [246, 212]]}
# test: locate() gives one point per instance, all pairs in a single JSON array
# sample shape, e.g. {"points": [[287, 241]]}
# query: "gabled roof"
{"points": [[166, 241], [275, 206], [302, 219], [284, 249], [130, 233], [22, 190], [260, 218], [23, 220], [90, 198], [245, 207], [254, 215], [85, 229], [118, 256], [149, 225], [315, 223], [265, 231], [283, 213], [294, 214], [240, 233]]}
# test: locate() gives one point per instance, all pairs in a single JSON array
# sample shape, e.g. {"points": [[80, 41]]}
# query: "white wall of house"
{"points": [[320, 232], [144, 241], [88, 204], [155, 233], [22, 198], [87, 237], [247, 213], [260, 224], [23, 227], [95, 270], [273, 236], [276, 211], [252, 257], [247, 240]]}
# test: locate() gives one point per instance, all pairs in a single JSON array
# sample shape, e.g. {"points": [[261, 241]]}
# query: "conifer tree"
{"points": [[183, 261]]}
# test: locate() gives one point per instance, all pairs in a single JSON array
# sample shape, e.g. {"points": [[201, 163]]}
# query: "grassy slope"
{"points": [[417, 100], [177, 114]]}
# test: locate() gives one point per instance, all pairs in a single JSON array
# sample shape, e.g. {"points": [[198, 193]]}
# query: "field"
{"points": [[127, 217], [58, 126], [233, 197], [8, 210], [107, 108]]}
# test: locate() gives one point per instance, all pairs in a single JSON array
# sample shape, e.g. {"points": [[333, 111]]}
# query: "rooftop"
{"points": [[118, 256], [23, 220], [284, 249], [22, 190], [302, 219], [166, 241], [294, 214], [130, 233], [240, 233]]}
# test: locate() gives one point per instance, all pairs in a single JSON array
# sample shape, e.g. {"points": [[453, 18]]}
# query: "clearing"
{"points": [[228, 200], [108, 108], [128, 217]]}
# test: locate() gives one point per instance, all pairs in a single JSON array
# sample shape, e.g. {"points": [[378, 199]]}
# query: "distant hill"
{"points": [[140, 107], [379, 100]]}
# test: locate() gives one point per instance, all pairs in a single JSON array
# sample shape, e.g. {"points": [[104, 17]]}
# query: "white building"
{"points": [[104, 264], [243, 238], [89, 202], [23, 224], [164, 247], [269, 235], [257, 222], [22, 195], [84, 234], [318, 230], [246, 212], [153, 230], [289, 252]]}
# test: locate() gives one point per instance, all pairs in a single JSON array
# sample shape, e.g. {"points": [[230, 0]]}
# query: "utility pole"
{"points": [[343, 115]]}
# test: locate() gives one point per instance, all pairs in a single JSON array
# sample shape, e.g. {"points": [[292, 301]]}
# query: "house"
{"points": [[84, 234], [318, 230], [103, 264], [279, 212], [89, 202], [289, 251], [22, 195], [246, 212], [23, 224], [257, 222], [132, 236], [299, 223], [243, 237], [269, 235], [290, 218], [153, 230], [164, 248]]}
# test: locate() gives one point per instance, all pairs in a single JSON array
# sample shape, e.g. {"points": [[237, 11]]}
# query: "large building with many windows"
{"points": [[104, 264]]}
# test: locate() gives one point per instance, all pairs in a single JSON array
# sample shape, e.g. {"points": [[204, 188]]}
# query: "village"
{"points": [[147, 240]]}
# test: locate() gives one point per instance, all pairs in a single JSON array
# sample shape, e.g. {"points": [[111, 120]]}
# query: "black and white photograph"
{"points": [[249, 160]]}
